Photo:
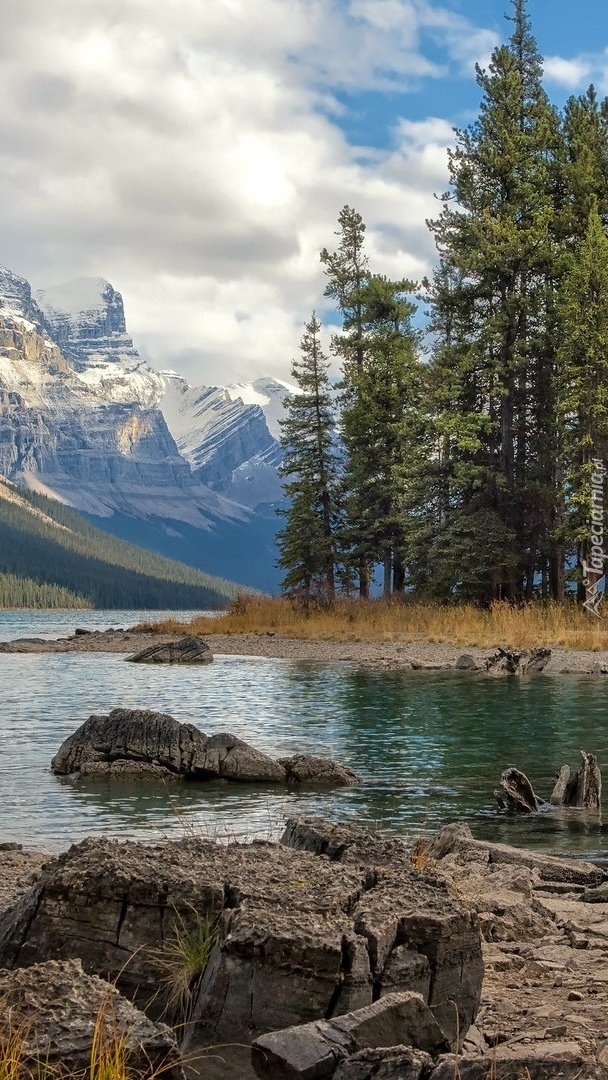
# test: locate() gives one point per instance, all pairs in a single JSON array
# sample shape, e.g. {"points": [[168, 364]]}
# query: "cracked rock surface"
{"points": [[544, 920], [300, 936]]}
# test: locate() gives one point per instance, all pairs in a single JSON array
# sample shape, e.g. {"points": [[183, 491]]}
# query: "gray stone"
{"points": [[466, 662], [312, 1051], [311, 769], [447, 937], [58, 1008], [186, 650], [535, 1061], [141, 736], [146, 745], [458, 839]]}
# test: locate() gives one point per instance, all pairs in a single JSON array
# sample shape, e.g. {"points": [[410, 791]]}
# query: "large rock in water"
{"points": [[61, 1012], [150, 745], [187, 650], [299, 938]]}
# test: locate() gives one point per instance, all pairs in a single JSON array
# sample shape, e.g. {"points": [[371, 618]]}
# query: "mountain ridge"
{"points": [[83, 417], [50, 544]]}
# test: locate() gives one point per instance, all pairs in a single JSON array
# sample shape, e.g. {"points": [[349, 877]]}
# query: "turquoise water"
{"points": [[429, 746]]}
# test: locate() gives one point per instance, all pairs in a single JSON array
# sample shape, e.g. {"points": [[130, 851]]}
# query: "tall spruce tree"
{"points": [[307, 544], [379, 418], [348, 274], [494, 356], [583, 401]]}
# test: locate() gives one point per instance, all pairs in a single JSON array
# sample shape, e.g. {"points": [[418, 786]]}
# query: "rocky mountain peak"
{"points": [[16, 299], [87, 320]]}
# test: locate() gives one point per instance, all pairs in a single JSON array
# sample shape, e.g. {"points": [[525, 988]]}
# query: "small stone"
{"points": [[575, 995]]}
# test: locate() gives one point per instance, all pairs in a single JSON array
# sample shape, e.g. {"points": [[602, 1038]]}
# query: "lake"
{"points": [[429, 746]]}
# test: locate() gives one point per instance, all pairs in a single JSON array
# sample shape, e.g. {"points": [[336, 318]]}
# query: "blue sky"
{"points": [[197, 154]]}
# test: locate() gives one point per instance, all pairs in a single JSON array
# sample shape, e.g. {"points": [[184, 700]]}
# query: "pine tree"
{"points": [[307, 544], [494, 355]]}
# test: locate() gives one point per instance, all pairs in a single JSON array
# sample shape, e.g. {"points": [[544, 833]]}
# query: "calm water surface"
{"points": [[429, 746]]}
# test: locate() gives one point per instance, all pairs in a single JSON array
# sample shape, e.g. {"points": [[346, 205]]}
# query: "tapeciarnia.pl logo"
{"points": [[593, 570]]}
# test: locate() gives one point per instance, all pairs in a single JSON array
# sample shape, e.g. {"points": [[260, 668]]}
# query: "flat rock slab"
{"points": [[144, 744], [186, 650], [59, 1010], [314, 1050], [298, 938]]}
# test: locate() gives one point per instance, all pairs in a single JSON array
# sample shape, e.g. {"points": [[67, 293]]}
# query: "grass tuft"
{"points": [[183, 960]]}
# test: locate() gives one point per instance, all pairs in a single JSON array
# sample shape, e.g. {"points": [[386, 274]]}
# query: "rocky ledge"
{"points": [[146, 745], [338, 952]]}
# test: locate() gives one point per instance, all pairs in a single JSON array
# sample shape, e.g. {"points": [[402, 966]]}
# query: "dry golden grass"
{"points": [[378, 620], [111, 1058]]}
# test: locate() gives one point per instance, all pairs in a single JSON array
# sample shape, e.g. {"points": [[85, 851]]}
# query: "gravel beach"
{"points": [[389, 655]]}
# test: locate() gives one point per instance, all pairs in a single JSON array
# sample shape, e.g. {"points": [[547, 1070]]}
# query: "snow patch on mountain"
{"points": [[270, 394]]}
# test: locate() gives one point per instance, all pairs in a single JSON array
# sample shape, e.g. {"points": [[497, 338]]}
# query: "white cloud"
{"points": [[572, 74], [192, 154]]}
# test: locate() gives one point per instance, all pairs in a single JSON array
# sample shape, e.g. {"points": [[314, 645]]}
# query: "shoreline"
{"points": [[372, 655]]}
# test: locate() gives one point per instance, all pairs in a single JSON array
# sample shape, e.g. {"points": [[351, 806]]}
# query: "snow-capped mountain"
{"points": [[189, 471]]}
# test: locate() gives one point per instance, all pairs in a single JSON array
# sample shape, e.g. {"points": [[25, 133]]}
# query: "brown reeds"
{"points": [[503, 624]]}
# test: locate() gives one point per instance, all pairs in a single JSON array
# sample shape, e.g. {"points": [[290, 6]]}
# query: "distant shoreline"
{"points": [[372, 655]]}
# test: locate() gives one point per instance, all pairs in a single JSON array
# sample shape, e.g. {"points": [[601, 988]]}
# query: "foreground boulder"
{"points": [[296, 938], [139, 742], [545, 994], [66, 1021], [187, 650]]}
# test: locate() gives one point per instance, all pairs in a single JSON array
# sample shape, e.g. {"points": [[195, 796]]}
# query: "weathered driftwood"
{"points": [[517, 793], [584, 789], [557, 795], [517, 661]]}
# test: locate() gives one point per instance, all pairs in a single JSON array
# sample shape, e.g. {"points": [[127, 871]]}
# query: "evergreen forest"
{"points": [[51, 557], [457, 461]]}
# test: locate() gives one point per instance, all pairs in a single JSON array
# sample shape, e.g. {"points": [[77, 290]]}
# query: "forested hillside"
{"points": [[51, 557]]}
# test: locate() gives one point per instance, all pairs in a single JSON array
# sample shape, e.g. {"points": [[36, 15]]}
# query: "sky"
{"points": [[197, 153]]}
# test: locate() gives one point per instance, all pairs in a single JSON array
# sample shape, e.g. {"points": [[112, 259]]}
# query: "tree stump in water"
{"points": [[517, 793], [584, 789], [557, 795]]}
